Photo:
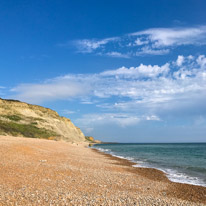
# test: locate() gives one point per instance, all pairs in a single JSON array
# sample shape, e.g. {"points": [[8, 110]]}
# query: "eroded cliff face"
{"points": [[22, 119]]}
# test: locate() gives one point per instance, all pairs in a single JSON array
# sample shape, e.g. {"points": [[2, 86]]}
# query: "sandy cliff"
{"points": [[22, 119]]}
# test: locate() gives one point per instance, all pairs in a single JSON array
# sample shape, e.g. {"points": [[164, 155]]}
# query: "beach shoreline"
{"points": [[175, 160], [154, 174], [44, 172]]}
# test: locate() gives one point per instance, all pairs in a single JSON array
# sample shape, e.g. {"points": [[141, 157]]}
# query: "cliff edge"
{"points": [[23, 119]]}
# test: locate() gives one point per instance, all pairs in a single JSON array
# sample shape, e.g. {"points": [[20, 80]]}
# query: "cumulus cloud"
{"points": [[180, 60], [133, 94], [140, 42], [154, 41], [138, 72], [133, 82], [201, 60]]}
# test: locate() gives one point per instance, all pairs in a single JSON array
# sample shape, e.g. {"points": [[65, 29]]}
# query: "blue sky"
{"points": [[127, 71]]}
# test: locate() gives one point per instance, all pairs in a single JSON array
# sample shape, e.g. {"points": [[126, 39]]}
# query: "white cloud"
{"points": [[88, 46], [190, 57], [66, 111], [140, 42], [86, 100], [154, 41], [118, 55], [180, 60], [151, 51], [141, 93], [201, 60], [130, 82], [161, 37], [108, 118], [138, 72], [120, 119], [49, 91], [153, 118]]}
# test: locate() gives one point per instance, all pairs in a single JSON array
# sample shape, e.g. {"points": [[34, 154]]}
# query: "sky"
{"points": [[125, 71]]}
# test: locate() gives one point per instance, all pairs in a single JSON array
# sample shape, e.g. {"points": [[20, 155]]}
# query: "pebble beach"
{"points": [[45, 172]]}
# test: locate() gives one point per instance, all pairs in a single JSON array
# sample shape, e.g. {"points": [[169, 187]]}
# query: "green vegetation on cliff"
{"points": [[12, 117], [23, 119], [26, 130]]}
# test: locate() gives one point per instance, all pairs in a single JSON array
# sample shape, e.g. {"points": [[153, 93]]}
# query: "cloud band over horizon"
{"points": [[152, 91]]}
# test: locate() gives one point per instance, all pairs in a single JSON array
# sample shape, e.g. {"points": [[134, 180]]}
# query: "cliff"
{"points": [[92, 140], [22, 119]]}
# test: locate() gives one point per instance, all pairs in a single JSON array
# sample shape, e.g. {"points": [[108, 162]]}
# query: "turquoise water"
{"points": [[185, 162]]}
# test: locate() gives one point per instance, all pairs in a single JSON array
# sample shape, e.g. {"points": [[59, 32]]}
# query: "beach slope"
{"points": [[43, 172]]}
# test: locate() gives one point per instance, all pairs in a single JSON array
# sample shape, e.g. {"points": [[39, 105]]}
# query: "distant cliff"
{"points": [[22, 119], [92, 140]]}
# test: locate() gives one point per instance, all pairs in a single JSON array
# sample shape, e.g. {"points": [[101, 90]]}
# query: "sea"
{"points": [[181, 162]]}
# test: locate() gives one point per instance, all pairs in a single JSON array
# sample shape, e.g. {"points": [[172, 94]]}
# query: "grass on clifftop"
{"points": [[26, 130]]}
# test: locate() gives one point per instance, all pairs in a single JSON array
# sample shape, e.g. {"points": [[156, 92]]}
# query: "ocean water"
{"points": [[185, 162]]}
